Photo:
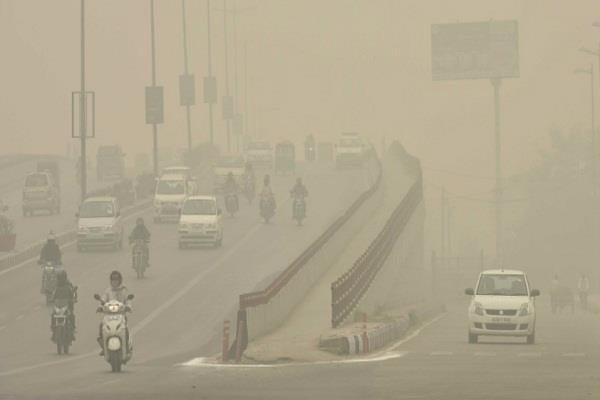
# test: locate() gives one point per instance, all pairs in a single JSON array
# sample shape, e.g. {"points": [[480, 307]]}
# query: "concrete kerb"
{"points": [[353, 339]]}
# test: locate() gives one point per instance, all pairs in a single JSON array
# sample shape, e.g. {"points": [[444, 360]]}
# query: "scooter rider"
{"points": [[116, 291], [51, 252], [140, 232], [230, 187], [267, 193], [67, 292], [299, 191]]}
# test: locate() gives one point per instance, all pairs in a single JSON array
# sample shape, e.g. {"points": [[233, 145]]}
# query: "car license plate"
{"points": [[500, 319]]}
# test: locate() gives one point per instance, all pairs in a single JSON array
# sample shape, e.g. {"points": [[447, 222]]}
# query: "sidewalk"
{"points": [[298, 338]]}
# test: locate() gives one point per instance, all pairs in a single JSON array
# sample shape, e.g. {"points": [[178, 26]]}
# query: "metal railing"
{"points": [[349, 288]]}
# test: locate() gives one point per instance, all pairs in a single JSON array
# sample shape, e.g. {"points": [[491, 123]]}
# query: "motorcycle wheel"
{"points": [[59, 336], [115, 361]]}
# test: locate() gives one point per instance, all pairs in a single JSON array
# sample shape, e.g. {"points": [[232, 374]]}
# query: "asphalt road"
{"points": [[179, 307]]}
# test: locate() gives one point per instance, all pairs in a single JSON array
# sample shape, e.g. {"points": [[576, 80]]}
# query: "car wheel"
{"points": [[531, 338], [472, 338]]}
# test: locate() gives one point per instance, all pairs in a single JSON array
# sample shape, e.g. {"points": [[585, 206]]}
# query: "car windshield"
{"points": [[97, 209], [502, 285], [170, 187], [199, 207], [349, 142], [36, 180]]}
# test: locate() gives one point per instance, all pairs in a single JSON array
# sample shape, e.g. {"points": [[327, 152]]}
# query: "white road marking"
{"points": [[210, 362], [441, 353], [415, 333], [485, 354], [28, 261], [529, 355], [573, 355]]}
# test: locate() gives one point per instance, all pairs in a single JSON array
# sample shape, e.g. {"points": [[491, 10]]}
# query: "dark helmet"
{"points": [[139, 221], [116, 276], [230, 175], [61, 277], [267, 179]]}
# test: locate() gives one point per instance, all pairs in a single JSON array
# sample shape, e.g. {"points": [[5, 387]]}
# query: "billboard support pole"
{"points": [[82, 110], [153, 55], [496, 83]]}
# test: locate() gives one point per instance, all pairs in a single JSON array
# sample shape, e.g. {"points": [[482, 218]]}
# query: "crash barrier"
{"points": [[349, 289], [262, 311]]}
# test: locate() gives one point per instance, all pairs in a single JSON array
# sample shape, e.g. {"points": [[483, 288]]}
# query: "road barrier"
{"points": [[348, 289], [263, 311]]}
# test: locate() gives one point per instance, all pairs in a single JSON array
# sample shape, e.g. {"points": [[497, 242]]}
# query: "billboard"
{"points": [[475, 50]]}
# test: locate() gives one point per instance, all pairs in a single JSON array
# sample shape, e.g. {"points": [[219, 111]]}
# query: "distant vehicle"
{"points": [[200, 222], [502, 305], [185, 171], [351, 150], [260, 154], [41, 192], [285, 158], [110, 163], [99, 224], [223, 166], [171, 191]]}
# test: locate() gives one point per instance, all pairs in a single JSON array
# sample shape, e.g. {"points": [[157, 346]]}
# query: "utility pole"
{"points": [[245, 87], [154, 124], [443, 227], [227, 119], [496, 82], [83, 109], [185, 68], [235, 74], [210, 101]]}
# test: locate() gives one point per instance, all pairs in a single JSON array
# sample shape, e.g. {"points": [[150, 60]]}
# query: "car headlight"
{"points": [[478, 309], [524, 310]]}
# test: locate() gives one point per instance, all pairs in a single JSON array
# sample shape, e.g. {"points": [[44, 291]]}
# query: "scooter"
{"points": [[267, 208], [139, 260], [116, 341], [299, 209]]}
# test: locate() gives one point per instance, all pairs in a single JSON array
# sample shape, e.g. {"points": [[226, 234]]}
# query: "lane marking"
{"points": [[441, 353], [485, 354], [529, 355], [68, 244], [573, 354], [416, 332], [210, 362]]}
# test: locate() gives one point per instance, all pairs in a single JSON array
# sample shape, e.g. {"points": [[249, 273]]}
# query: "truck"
{"points": [[110, 163], [351, 150], [41, 190], [260, 154]]}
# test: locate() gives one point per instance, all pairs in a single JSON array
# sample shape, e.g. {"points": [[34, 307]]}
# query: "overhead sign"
{"points": [[475, 50], [187, 90], [154, 105]]}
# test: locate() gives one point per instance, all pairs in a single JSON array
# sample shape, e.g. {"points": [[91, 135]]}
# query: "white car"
{"points": [[502, 305], [171, 191], [99, 224], [200, 222]]}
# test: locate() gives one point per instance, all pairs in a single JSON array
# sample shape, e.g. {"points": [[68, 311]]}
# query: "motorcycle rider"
{"points": [[64, 291], [231, 188], [299, 191], [140, 232], [266, 193], [51, 252], [116, 291]]}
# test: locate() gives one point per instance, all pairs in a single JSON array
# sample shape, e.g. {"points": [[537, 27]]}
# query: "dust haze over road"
{"points": [[305, 79]]}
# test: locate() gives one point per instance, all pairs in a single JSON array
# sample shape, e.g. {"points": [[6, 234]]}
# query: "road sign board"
{"points": [[475, 50], [154, 105], [210, 89], [187, 90]]}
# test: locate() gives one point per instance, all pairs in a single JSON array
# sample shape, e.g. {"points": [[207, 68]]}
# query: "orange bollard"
{"points": [[225, 356]]}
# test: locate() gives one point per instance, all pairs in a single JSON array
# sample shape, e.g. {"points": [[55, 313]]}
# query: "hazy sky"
{"points": [[318, 67]]}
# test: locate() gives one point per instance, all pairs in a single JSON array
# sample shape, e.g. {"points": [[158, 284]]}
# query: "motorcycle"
{"points": [[299, 209], [249, 190], [139, 257], [267, 207], [49, 270], [63, 331], [231, 203], [116, 341]]}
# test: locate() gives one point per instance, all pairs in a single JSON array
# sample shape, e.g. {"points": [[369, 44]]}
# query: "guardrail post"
{"points": [[365, 335], [225, 356]]}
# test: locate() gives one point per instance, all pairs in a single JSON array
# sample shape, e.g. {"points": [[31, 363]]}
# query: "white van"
{"points": [[99, 224], [503, 304], [171, 191], [200, 222]]}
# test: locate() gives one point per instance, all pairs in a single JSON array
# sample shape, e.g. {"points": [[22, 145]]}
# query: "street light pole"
{"points": [[496, 82], [210, 103], [154, 127], [227, 119], [245, 87], [83, 109], [185, 67]]}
